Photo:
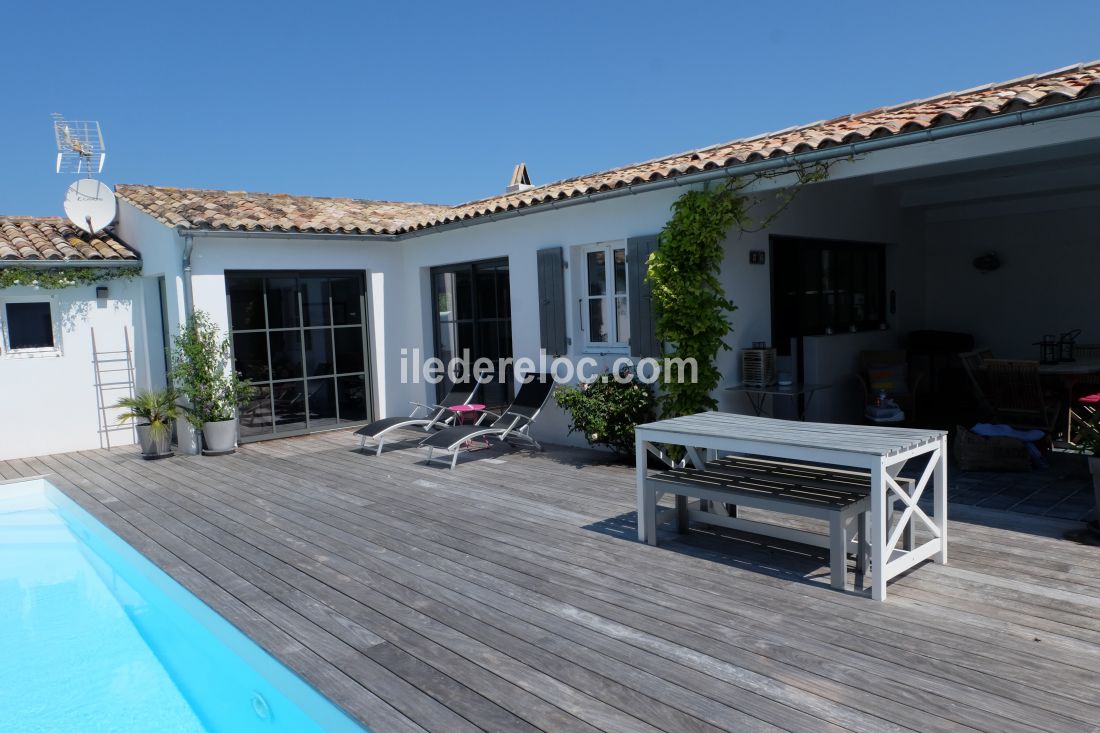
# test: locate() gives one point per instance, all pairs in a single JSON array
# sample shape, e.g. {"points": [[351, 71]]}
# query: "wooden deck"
{"points": [[510, 595]]}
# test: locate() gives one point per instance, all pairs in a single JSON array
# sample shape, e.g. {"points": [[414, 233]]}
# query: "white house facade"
{"points": [[327, 300]]}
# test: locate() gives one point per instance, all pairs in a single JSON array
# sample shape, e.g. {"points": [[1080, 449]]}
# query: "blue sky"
{"points": [[436, 102]]}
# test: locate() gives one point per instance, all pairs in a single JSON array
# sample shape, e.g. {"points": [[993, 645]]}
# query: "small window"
{"points": [[605, 304], [29, 326]]}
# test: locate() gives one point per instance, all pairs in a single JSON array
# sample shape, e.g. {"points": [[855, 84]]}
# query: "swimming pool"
{"points": [[94, 637]]}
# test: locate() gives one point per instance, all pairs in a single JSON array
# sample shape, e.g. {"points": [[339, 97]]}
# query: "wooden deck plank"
{"points": [[510, 595], [894, 671], [418, 624], [994, 684], [624, 696]]}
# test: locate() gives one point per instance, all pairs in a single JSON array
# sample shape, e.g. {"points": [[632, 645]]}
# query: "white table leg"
{"points": [[878, 533], [645, 509], [939, 483]]}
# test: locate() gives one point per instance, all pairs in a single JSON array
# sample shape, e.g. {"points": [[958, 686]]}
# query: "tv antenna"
{"points": [[89, 204], [80, 148]]}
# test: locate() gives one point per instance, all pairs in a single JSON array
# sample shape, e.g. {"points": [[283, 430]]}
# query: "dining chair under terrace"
{"points": [[972, 364], [423, 416], [1017, 396], [511, 426]]}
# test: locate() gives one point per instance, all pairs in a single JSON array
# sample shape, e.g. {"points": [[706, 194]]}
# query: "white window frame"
{"points": [[614, 343], [55, 321]]}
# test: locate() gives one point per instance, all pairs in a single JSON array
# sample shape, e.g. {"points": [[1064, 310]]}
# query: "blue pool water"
{"points": [[94, 637]]}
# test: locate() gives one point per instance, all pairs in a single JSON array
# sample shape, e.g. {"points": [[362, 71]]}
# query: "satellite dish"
{"points": [[90, 205]]}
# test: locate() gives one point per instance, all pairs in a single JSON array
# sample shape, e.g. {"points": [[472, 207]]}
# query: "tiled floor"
{"points": [[1063, 491]]}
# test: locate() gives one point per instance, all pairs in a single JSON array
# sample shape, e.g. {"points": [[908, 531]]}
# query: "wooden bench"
{"points": [[840, 497], [813, 475]]}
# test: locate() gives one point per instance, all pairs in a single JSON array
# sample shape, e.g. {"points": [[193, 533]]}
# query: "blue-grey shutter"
{"points": [[643, 328], [551, 266]]}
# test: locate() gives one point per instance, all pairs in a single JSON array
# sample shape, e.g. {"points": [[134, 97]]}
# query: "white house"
{"points": [[324, 297], [53, 396]]}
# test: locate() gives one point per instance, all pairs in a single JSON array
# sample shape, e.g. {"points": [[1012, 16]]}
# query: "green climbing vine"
{"points": [[56, 278], [692, 310]]}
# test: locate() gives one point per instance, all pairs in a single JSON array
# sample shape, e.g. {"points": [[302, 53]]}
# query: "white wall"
{"points": [[845, 210], [519, 240], [1047, 282], [851, 209], [387, 293], [49, 402]]}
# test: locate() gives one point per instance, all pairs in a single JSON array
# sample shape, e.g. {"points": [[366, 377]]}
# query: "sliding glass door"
{"points": [[473, 313], [301, 337]]}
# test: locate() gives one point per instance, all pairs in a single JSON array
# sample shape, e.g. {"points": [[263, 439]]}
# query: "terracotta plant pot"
{"points": [[219, 437], [151, 448]]}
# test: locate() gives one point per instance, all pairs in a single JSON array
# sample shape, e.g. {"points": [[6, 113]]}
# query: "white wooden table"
{"points": [[883, 451]]}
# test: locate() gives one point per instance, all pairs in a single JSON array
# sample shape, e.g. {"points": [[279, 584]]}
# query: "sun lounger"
{"points": [[511, 426], [423, 416]]}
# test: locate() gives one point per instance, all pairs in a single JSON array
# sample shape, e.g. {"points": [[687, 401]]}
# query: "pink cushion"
{"points": [[1092, 399], [466, 408]]}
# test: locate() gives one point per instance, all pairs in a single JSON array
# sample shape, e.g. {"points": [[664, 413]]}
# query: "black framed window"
{"points": [[472, 311], [820, 286], [301, 337], [29, 325]]}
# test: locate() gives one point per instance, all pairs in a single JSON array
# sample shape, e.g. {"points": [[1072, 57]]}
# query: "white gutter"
{"points": [[72, 264]]}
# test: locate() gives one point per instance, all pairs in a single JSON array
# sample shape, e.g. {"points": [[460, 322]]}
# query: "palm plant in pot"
{"points": [[154, 411], [201, 367]]}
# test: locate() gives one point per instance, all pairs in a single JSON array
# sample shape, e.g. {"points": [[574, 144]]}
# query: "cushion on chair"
{"points": [[890, 378]]}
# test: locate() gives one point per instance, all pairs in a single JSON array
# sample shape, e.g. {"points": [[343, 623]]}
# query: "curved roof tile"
{"points": [[32, 239]]}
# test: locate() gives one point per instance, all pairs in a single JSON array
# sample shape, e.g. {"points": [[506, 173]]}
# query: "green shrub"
{"points": [[607, 410], [202, 369]]}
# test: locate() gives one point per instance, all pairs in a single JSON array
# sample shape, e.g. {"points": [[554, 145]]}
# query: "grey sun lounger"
{"points": [[511, 426], [423, 416]]}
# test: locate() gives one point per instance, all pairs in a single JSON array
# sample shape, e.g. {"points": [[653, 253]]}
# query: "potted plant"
{"points": [[202, 370], [607, 408], [154, 411]]}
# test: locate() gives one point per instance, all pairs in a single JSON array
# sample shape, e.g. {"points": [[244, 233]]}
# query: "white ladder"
{"points": [[114, 378]]}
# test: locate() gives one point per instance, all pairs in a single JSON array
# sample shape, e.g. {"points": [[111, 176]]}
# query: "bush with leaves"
{"points": [[202, 370], [606, 410]]}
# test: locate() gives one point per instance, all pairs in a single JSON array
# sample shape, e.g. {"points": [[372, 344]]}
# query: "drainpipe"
{"points": [[188, 296], [188, 439]]}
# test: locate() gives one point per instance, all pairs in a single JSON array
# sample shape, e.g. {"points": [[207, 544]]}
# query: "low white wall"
{"points": [[50, 402]]}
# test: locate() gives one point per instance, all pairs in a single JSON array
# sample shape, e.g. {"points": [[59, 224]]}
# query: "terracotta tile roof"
{"points": [[245, 211], [27, 239], [1063, 85], [240, 210]]}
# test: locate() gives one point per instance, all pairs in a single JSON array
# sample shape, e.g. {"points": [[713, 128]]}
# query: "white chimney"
{"points": [[520, 180]]}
